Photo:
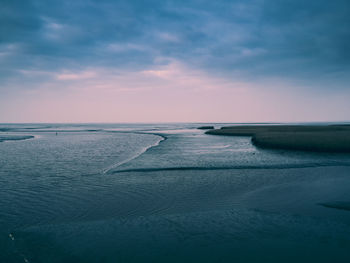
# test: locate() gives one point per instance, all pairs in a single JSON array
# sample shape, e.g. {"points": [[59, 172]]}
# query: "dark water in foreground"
{"points": [[166, 193]]}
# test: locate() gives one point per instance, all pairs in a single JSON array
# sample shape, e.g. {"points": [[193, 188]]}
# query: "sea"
{"points": [[166, 193]]}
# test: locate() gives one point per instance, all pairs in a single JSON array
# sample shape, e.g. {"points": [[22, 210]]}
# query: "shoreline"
{"points": [[316, 138]]}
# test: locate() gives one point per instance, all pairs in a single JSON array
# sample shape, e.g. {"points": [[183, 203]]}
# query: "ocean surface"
{"points": [[166, 193]]}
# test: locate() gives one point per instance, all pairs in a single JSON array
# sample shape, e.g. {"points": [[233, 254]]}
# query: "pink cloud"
{"points": [[173, 92]]}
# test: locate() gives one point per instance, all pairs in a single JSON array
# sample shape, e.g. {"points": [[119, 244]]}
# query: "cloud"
{"points": [[300, 45], [250, 37], [76, 76]]}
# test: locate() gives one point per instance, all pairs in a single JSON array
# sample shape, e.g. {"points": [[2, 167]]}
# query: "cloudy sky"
{"points": [[165, 61]]}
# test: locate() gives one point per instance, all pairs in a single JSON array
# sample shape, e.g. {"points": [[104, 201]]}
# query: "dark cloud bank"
{"points": [[294, 40]]}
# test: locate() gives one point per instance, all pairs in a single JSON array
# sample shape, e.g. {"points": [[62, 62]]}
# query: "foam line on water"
{"points": [[142, 151]]}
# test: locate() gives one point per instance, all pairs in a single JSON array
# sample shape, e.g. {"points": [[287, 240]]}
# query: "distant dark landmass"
{"points": [[206, 128], [318, 138]]}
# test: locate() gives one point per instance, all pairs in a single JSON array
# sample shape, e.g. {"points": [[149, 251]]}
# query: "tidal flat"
{"points": [[167, 193]]}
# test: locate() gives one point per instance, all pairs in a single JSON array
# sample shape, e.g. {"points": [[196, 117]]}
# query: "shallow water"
{"points": [[166, 192]]}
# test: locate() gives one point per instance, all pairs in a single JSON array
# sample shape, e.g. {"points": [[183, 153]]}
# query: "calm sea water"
{"points": [[166, 193]]}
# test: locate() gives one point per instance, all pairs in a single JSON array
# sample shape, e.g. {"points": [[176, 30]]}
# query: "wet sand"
{"points": [[318, 138]]}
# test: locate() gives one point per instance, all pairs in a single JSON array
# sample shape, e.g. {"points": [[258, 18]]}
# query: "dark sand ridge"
{"points": [[320, 138], [14, 137]]}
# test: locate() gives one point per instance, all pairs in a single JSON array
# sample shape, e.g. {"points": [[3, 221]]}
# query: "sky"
{"points": [[174, 61]]}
